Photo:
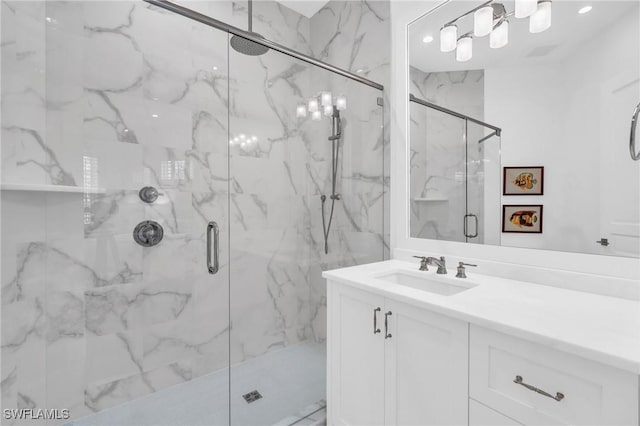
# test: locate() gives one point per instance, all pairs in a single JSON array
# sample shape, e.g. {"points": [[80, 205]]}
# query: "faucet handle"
{"points": [[461, 270], [423, 262]]}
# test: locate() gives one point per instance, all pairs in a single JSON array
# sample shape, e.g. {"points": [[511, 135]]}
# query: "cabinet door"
{"points": [[355, 357], [425, 368], [480, 415]]}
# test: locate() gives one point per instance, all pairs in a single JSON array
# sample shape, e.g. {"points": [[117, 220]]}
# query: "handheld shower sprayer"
{"points": [[336, 135]]}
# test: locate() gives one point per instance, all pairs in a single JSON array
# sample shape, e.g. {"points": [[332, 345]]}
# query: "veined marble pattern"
{"points": [[438, 154], [113, 96]]}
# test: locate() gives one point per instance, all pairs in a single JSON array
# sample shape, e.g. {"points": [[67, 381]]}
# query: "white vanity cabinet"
{"points": [[392, 361], [535, 384], [411, 369]]}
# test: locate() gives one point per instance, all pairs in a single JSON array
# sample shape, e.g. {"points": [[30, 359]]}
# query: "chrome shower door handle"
{"points": [[213, 268], [635, 153], [466, 232]]}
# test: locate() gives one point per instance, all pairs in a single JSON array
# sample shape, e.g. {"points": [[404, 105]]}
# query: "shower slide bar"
{"points": [[428, 104], [204, 19]]}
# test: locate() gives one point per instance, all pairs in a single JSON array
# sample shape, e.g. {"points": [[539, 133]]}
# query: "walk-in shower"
{"points": [[162, 245]]}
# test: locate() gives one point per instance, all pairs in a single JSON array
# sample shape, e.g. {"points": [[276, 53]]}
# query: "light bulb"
{"points": [[483, 21], [541, 19], [464, 51], [313, 105], [448, 38], [499, 36], [585, 9], [316, 115], [341, 102], [328, 109], [326, 98], [301, 111], [525, 8]]}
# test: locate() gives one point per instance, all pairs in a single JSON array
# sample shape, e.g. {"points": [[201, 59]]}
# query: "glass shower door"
{"points": [[280, 167], [114, 128]]}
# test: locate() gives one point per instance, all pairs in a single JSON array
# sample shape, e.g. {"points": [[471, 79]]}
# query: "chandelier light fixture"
{"points": [[491, 18]]}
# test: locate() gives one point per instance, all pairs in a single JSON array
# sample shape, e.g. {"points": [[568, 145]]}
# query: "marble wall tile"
{"points": [[117, 392], [113, 356], [121, 321]]}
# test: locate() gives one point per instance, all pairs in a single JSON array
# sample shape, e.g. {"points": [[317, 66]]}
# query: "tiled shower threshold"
{"points": [[290, 380]]}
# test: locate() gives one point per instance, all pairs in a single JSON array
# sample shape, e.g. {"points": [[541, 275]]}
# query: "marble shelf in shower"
{"points": [[50, 188], [429, 199]]}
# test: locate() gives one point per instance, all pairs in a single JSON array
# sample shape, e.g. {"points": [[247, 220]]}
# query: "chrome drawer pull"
{"points": [[387, 335], [376, 330], [558, 397]]}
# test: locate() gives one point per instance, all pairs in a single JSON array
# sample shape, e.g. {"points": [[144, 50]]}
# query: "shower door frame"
{"points": [[497, 131]]}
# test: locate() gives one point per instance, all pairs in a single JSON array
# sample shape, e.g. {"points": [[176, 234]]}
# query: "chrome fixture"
{"points": [[635, 154], [213, 267], [440, 263], [603, 242], [319, 105], [336, 134], [387, 335], [498, 130], [376, 330], [149, 194], [148, 233], [252, 396], [247, 46], [519, 380], [207, 20], [423, 262], [492, 19], [465, 229], [461, 271]]}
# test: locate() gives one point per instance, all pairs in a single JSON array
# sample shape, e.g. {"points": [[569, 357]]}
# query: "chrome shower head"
{"points": [[248, 47]]}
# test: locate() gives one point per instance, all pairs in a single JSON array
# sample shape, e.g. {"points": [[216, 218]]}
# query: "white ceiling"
{"points": [[568, 28], [307, 8]]}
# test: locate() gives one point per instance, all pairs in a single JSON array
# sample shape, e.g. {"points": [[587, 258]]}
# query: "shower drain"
{"points": [[252, 396]]}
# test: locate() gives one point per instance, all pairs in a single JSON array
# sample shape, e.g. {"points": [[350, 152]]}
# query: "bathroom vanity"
{"points": [[414, 347]]}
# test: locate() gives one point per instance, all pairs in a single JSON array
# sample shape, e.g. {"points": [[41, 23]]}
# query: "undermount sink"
{"points": [[426, 282]]}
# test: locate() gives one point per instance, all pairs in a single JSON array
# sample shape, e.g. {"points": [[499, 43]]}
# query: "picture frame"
{"points": [[522, 218], [523, 180]]}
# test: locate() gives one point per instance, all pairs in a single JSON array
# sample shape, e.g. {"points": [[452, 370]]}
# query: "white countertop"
{"points": [[600, 328]]}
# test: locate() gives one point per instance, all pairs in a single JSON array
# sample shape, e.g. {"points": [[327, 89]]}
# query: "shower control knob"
{"points": [[149, 194], [148, 233]]}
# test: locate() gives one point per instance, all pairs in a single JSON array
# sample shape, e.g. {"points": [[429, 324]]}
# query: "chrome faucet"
{"points": [[440, 263], [461, 271], [423, 263]]}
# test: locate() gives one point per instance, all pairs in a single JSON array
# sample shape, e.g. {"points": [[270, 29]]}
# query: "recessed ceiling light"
{"points": [[359, 70], [154, 115], [427, 39], [584, 10]]}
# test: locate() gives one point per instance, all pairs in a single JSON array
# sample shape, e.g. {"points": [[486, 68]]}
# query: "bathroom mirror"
{"points": [[520, 125]]}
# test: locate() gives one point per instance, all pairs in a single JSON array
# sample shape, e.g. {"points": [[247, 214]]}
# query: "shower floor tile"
{"points": [[291, 382]]}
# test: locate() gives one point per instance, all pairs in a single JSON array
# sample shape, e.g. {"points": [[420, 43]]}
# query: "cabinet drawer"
{"points": [[589, 393]]}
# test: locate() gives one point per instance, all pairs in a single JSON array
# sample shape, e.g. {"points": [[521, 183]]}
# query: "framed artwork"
{"points": [[524, 219], [523, 181]]}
